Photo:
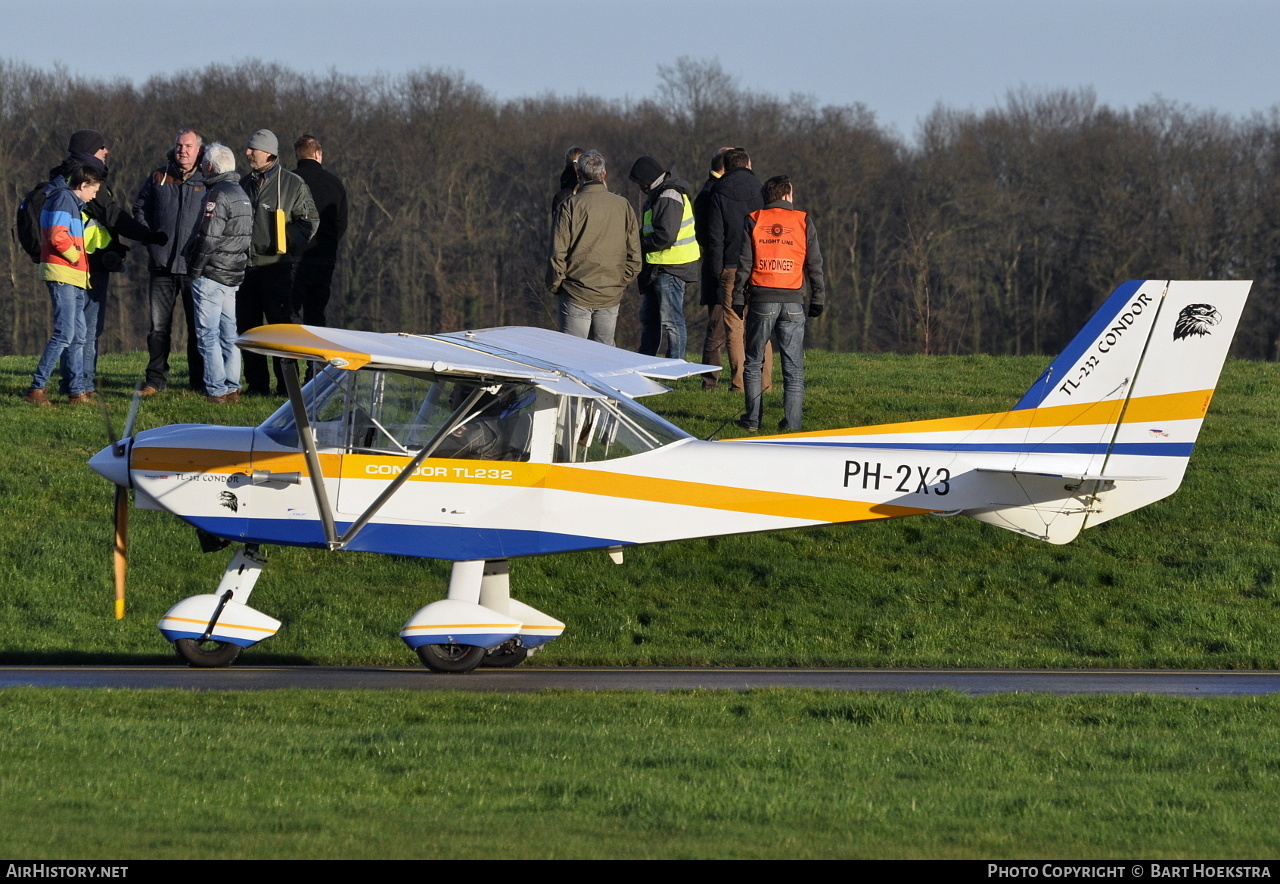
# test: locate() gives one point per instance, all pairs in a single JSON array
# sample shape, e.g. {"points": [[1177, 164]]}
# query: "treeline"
{"points": [[993, 232]]}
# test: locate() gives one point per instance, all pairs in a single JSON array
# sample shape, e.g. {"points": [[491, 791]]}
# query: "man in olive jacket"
{"points": [[264, 295], [595, 253]]}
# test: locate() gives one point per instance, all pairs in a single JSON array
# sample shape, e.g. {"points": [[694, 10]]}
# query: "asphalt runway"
{"points": [[1176, 683]]}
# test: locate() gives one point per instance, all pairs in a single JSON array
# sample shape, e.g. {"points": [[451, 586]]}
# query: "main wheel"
{"points": [[505, 655], [207, 653], [450, 658]]}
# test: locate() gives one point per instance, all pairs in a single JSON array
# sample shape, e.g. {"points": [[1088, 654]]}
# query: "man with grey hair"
{"points": [[265, 293], [218, 257], [595, 253], [170, 202]]}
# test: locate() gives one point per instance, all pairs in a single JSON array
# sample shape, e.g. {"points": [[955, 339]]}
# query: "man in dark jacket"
{"points": [[313, 272], [780, 269], [732, 198], [265, 295], [714, 344], [670, 256], [88, 149], [171, 200], [217, 259]]}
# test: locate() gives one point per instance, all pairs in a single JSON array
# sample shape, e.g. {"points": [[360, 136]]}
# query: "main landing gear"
{"points": [[478, 624]]}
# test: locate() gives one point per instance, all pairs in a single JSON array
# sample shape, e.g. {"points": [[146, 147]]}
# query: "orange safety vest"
{"points": [[779, 239]]}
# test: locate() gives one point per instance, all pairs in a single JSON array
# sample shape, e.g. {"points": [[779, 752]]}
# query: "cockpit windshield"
{"points": [[391, 412]]}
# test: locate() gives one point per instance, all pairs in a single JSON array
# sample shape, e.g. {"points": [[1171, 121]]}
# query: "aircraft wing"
{"points": [[557, 362]]}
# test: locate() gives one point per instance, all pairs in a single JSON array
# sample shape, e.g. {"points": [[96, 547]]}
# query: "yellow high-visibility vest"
{"points": [[685, 249]]}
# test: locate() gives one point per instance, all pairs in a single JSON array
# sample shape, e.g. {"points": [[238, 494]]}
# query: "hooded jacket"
{"points": [[63, 257], [104, 209], [668, 224], [173, 204]]}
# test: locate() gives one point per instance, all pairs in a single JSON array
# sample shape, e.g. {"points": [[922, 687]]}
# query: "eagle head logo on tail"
{"points": [[1196, 319]]}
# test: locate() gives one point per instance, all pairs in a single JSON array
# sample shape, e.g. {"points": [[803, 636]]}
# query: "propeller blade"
{"points": [[133, 411], [106, 419], [121, 554]]}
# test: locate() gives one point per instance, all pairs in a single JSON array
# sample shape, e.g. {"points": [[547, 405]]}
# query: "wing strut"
{"points": [[460, 416], [308, 440]]}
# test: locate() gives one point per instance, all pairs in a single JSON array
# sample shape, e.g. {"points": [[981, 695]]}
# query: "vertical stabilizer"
{"points": [[1170, 394], [1116, 416]]}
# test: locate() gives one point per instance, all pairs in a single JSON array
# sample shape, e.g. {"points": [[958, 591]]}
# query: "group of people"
{"points": [[238, 251], [234, 250], [755, 254]]}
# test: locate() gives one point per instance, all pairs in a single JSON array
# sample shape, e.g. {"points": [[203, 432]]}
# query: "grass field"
{"points": [[319, 775], [1189, 582]]}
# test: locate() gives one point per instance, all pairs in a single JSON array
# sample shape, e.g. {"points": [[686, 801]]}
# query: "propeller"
{"points": [[119, 448]]}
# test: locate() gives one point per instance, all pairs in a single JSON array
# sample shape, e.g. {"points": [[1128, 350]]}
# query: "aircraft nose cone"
{"points": [[112, 466]]}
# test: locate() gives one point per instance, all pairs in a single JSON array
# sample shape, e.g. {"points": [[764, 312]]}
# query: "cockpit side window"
{"points": [[390, 412], [603, 429]]}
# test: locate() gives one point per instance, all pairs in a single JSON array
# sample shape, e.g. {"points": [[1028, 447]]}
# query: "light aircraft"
{"points": [[479, 447]]}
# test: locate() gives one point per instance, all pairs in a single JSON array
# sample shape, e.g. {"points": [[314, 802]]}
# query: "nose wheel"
{"points": [[208, 654]]}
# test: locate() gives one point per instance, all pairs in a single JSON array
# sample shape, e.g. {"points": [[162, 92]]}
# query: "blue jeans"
{"points": [[662, 316], [95, 319], [784, 325], [215, 309], [596, 323], [68, 337]]}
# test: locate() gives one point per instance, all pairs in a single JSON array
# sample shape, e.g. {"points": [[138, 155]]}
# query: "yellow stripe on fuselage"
{"points": [[721, 497], [1191, 405], [554, 477]]}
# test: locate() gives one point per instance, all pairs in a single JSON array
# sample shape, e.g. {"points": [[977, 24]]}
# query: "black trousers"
{"points": [[263, 299], [312, 280], [162, 295]]}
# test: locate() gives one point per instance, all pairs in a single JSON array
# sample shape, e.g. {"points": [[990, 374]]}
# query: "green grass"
{"points": [[1188, 582], [317, 775]]}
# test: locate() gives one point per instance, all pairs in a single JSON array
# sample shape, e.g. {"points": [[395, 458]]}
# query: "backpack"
{"points": [[26, 226]]}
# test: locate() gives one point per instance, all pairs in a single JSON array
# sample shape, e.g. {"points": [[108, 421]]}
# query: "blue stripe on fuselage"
{"points": [[426, 541], [1146, 449]]}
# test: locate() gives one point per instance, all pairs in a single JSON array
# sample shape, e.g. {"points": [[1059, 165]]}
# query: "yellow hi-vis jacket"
{"points": [[685, 249]]}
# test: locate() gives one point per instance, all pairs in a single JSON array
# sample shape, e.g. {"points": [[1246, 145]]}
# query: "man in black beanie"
{"points": [[670, 256]]}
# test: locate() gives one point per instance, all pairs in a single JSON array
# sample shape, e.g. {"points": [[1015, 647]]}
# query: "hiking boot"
{"points": [[82, 399], [37, 397], [746, 425], [219, 400], [149, 390]]}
